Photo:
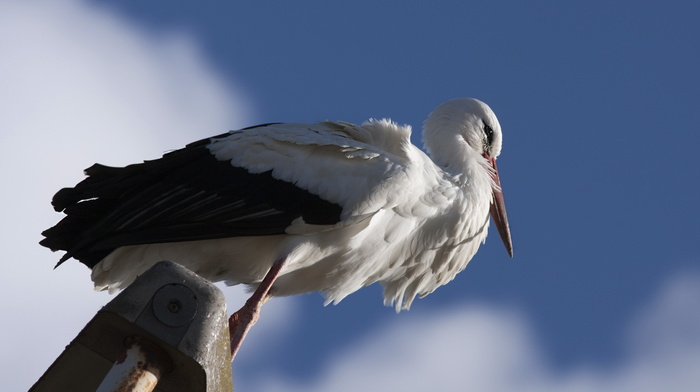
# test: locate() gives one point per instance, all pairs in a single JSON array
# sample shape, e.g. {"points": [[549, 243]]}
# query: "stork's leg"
{"points": [[240, 322]]}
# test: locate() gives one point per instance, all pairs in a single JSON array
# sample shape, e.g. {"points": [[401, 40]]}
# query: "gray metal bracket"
{"points": [[183, 314]]}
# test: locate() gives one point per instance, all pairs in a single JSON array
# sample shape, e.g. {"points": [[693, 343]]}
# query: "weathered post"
{"points": [[168, 330]]}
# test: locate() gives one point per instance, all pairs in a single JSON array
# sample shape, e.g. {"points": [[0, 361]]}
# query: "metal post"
{"points": [[168, 327], [138, 368]]}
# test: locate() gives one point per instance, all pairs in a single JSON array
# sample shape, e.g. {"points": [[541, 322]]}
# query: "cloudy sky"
{"points": [[599, 109]]}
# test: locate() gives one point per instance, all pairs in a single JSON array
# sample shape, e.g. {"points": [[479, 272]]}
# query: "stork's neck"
{"points": [[453, 155], [467, 171]]}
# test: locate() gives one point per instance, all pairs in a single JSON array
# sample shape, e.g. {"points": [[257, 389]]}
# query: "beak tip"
{"points": [[508, 242], [498, 213]]}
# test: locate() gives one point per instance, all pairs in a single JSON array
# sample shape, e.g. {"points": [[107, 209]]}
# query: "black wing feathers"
{"points": [[186, 195]]}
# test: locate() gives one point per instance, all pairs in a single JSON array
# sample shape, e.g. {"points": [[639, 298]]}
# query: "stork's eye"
{"points": [[488, 132]]}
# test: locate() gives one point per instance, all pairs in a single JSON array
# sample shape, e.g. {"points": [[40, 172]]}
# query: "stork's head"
{"points": [[467, 126]]}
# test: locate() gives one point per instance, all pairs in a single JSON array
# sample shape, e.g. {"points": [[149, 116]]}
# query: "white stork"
{"points": [[298, 208]]}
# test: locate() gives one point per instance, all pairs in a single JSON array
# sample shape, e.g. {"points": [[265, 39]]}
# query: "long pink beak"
{"points": [[498, 209]]}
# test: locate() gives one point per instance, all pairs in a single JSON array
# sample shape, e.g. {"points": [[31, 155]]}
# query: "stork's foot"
{"points": [[240, 322]]}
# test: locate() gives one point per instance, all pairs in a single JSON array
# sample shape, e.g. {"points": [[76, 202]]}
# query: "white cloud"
{"points": [[81, 85], [480, 348]]}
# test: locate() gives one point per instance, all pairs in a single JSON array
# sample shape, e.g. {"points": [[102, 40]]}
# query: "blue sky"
{"points": [[598, 104]]}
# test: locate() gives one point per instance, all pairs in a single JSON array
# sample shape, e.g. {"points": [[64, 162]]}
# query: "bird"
{"points": [[292, 208]]}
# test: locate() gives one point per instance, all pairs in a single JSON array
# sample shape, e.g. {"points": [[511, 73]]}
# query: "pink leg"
{"points": [[240, 322]]}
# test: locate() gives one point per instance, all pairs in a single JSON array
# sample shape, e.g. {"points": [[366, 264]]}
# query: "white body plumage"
{"points": [[407, 221]]}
